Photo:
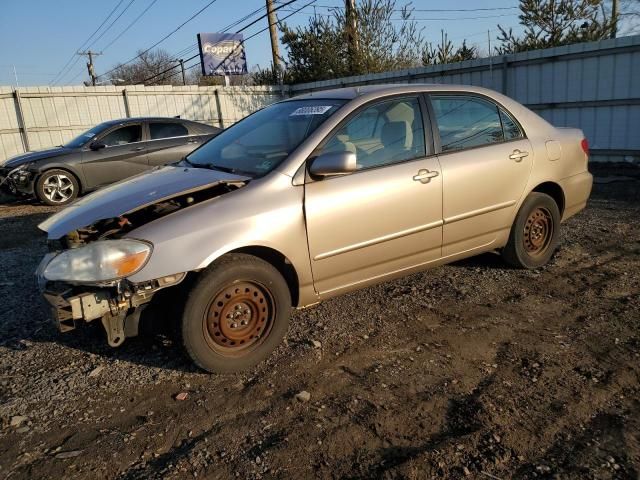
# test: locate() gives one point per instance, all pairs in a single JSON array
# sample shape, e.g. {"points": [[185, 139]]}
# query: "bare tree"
{"points": [[149, 69]]}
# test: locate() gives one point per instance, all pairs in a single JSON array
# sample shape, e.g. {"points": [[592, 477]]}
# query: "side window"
{"points": [[123, 135], [385, 133], [466, 121], [510, 128], [167, 130]]}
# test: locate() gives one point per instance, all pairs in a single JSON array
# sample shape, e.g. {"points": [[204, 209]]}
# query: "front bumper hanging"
{"points": [[119, 307]]}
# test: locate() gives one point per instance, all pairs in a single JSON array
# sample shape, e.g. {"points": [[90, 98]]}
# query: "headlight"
{"points": [[99, 262]]}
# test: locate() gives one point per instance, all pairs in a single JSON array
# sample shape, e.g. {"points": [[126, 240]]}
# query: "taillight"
{"points": [[585, 145]]}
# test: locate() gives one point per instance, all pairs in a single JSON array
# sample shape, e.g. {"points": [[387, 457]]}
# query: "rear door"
{"points": [[169, 141], [124, 155], [384, 218], [486, 161]]}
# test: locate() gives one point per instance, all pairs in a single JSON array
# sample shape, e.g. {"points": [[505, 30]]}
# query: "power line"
{"points": [[112, 23], [226, 28], [163, 38], [194, 46], [87, 40], [92, 75], [484, 9], [197, 64], [130, 25], [411, 19]]}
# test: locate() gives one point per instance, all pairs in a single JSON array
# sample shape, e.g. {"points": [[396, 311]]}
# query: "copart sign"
{"points": [[222, 54]]}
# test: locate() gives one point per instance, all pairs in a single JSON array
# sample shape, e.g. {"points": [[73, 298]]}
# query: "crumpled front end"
{"points": [[17, 181], [85, 276], [118, 306]]}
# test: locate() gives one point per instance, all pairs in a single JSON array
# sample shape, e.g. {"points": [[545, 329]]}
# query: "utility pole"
{"points": [[352, 32], [90, 69], [275, 51], [184, 80], [614, 18]]}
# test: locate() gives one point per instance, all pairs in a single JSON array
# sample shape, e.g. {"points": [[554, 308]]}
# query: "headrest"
{"points": [[394, 134]]}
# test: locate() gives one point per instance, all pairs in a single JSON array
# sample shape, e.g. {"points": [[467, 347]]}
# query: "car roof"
{"points": [[150, 119], [349, 93], [118, 121]]}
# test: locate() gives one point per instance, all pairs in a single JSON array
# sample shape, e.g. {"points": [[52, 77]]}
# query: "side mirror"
{"points": [[335, 163], [97, 145]]}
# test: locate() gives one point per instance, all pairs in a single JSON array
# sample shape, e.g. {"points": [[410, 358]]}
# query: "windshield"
{"points": [[256, 145], [85, 137]]}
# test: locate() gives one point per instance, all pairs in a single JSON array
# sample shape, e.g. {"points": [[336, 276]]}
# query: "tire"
{"points": [[228, 311], [535, 234], [57, 187]]}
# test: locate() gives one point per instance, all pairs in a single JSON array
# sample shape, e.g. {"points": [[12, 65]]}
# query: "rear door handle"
{"points": [[137, 149], [424, 176], [517, 155]]}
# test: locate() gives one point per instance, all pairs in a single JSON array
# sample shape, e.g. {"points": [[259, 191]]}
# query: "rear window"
{"points": [[167, 130]]}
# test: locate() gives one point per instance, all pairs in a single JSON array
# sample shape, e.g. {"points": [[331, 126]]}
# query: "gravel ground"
{"points": [[472, 370]]}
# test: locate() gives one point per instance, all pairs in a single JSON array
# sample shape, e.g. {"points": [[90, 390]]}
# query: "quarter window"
{"points": [[465, 122], [167, 130], [386, 133], [123, 135], [510, 128]]}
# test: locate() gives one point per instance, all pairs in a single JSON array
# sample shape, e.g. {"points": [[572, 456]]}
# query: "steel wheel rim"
{"points": [[239, 318], [57, 188], [538, 231]]}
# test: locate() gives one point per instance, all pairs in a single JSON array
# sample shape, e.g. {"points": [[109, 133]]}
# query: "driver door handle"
{"points": [[424, 176], [517, 155], [137, 149]]}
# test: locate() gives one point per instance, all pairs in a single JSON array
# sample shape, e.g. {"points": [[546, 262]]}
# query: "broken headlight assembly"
{"points": [[101, 261]]}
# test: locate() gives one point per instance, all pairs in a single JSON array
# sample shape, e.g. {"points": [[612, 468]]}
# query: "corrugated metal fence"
{"points": [[34, 118], [592, 86]]}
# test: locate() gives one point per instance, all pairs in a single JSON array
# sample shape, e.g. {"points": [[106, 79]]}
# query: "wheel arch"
{"points": [[555, 191], [280, 262]]}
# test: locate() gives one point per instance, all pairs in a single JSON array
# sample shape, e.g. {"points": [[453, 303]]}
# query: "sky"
{"points": [[40, 37]]}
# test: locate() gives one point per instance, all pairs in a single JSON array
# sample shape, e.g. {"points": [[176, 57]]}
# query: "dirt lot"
{"points": [[472, 370]]}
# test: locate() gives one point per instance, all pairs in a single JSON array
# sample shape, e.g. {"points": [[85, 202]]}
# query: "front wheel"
{"points": [[236, 314], [535, 233], [57, 187]]}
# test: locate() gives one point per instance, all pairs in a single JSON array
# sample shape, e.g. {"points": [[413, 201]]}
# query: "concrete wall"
{"points": [[34, 118]]}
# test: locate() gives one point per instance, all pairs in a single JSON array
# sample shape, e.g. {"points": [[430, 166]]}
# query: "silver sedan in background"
{"points": [[310, 198]]}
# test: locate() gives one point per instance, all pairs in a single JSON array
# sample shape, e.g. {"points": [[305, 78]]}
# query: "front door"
{"points": [[486, 161], [124, 155], [384, 218]]}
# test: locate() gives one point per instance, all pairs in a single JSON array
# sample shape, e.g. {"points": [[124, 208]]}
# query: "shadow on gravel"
{"points": [[603, 440], [463, 417], [156, 348], [491, 260]]}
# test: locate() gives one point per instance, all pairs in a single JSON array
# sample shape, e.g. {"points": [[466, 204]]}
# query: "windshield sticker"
{"points": [[315, 110]]}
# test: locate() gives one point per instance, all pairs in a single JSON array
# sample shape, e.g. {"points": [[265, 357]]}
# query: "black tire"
{"points": [[208, 333], [48, 193], [535, 234]]}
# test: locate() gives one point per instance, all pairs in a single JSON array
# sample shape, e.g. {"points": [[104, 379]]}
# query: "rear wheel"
{"points": [[236, 314], [535, 233], [57, 187]]}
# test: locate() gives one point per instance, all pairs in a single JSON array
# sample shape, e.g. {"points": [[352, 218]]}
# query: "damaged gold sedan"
{"points": [[307, 199]]}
